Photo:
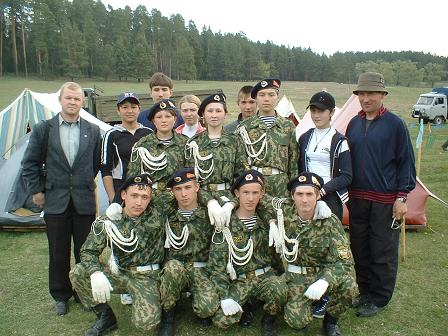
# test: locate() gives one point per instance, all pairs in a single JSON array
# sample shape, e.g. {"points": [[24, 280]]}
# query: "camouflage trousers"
{"points": [[143, 286], [177, 277], [276, 185], [298, 309], [268, 288]]}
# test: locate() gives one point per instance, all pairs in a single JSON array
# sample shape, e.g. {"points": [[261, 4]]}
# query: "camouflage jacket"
{"points": [[229, 161], [321, 243], [174, 156], [200, 230], [281, 151], [219, 253], [149, 228]]}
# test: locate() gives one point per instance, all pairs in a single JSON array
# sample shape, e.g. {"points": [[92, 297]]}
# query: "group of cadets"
{"points": [[231, 214]]}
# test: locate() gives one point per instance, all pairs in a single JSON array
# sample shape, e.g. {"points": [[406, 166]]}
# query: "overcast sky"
{"points": [[326, 26]]}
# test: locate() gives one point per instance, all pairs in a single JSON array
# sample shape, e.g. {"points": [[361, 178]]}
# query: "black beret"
{"points": [[164, 104], [180, 177], [141, 180], [266, 83], [306, 179], [214, 98], [249, 176]]}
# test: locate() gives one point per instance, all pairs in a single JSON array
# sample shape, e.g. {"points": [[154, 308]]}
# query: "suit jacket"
{"points": [[63, 182]]}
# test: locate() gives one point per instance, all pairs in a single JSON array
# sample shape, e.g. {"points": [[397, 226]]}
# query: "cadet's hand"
{"points": [[230, 307], [39, 199], [321, 211], [114, 211], [227, 209], [216, 214], [101, 287], [316, 289]]}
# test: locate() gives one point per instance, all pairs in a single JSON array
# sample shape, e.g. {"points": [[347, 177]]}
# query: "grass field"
{"points": [[420, 303]]}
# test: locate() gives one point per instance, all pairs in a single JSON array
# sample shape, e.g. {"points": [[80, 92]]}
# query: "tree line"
{"points": [[84, 39]]}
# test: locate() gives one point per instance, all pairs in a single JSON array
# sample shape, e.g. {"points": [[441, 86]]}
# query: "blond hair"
{"points": [[71, 86], [189, 99]]}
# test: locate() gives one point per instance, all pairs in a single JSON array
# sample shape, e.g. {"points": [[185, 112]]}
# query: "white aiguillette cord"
{"points": [[193, 149], [114, 237], [153, 163], [249, 145], [290, 256], [176, 242]]}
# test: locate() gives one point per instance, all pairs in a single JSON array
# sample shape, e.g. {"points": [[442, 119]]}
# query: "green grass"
{"points": [[420, 302]]}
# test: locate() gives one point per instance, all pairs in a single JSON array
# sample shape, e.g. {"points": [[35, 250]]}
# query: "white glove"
{"points": [[274, 234], [100, 287], [227, 209], [230, 307], [216, 214], [322, 210], [114, 211], [316, 289]]}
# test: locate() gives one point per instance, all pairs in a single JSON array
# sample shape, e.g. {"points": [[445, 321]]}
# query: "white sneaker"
{"points": [[126, 299]]}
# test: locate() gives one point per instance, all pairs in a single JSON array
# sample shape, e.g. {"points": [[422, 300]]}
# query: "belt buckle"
{"points": [[161, 186], [250, 275], [212, 187], [267, 171], [189, 263]]}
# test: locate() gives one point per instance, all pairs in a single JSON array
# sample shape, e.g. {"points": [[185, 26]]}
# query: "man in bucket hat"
{"points": [[383, 175]]}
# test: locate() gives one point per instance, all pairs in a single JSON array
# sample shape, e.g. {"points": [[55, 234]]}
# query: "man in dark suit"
{"points": [[70, 148]]}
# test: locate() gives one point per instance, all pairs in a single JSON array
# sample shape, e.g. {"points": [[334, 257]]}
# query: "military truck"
{"points": [[105, 107], [432, 106]]}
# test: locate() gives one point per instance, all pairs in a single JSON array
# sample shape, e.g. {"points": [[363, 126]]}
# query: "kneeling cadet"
{"points": [[135, 234]]}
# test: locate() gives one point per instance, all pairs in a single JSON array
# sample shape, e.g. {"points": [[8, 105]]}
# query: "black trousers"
{"points": [[60, 230], [334, 203], [375, 249]]}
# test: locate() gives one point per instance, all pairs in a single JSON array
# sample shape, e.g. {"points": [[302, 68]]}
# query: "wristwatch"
{"points": [[401, 199]]}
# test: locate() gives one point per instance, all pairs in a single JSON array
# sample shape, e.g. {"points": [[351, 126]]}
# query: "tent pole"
{"points": [[403, 239]]}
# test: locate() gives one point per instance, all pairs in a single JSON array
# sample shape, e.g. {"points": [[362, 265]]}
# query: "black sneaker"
{"points": [[369, 309], [320, 307]]}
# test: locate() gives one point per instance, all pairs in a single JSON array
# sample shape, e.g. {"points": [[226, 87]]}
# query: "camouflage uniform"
{"points": [[267, 287], [185, 269], [229, 161], [146, 310], [323, 250], [281, 152], [174, 157]]}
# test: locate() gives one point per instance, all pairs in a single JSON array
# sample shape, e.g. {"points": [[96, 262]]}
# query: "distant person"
{"points": [[134, 232], [383, 175], [189, 106], [247, 106], [118, 142], [160, 87], [70, 147]]}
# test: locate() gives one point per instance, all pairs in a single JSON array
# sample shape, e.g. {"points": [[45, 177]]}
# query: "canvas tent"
{"points": [[15, 120], [416, 216]]}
